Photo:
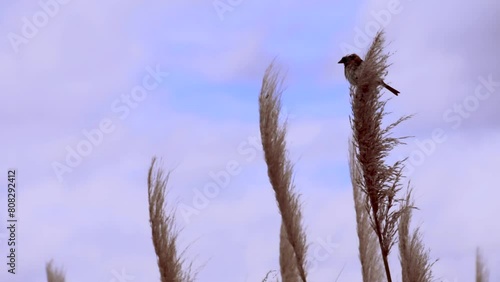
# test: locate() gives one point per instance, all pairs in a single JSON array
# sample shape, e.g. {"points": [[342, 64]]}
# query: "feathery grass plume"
{"points": [[482, 274], [54, 274], [369, 255], [288, 265], [415, 259], [381, 182], [162, 226], [279, 170]]}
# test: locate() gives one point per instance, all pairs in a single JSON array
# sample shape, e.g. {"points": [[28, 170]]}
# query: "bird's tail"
{"points": [[394, 91]]}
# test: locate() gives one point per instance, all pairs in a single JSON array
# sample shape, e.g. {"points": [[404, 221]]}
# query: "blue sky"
{"points": [[69, 76]]}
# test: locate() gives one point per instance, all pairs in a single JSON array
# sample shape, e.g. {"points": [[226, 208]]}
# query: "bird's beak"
{"points": [[341, 61]]}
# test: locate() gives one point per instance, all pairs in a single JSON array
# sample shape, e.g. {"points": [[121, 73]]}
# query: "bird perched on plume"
{"points": [[351, 68]]}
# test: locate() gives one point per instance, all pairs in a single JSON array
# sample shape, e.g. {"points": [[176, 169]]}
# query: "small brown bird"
{"points": [[351, 65]]}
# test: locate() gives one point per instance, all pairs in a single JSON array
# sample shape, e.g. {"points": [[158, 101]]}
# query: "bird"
{"points": [[352, 63]]}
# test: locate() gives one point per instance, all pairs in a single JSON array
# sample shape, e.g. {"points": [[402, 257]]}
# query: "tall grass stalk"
{"points": [[372, 268], [482, 273], [416, 265], [163, 231], [381, 182], [54, 274], [279, 169]]}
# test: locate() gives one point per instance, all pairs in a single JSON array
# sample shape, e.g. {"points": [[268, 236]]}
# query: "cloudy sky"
{"points": [[92, 90]]}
